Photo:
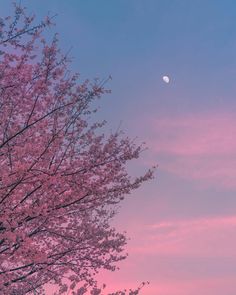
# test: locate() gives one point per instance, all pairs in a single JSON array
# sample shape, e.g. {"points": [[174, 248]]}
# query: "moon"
{"points": [[166, 79]]}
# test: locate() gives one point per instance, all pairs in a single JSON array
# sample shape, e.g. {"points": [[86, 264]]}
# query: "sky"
{"points": [[182, 224]]}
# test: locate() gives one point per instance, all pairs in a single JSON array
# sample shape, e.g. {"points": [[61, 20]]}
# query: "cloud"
{"points": [[202, 237], [206, 286], [180, 257], [171, 286], [198, 146]]}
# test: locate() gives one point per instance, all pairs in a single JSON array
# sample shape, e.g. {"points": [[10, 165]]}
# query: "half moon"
{"points": [[166, 79]]}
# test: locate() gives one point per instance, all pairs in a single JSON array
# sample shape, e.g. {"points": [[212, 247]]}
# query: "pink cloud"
{"points": [[180, 257], [206, 286], [197, 146], [203, 286], [203, 237]]}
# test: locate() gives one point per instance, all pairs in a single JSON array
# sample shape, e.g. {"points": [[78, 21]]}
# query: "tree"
{"points": [[60, 178]]}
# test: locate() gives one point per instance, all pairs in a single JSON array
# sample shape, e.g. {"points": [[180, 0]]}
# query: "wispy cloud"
{"points": [[202, 237], [193, 287], [198, 146], [181, 257]]}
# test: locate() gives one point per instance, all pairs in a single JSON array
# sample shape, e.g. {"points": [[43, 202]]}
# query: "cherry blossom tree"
{"points": [[60, 176]]}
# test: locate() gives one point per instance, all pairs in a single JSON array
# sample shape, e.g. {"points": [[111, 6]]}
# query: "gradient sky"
{"points": [[182, 225]]}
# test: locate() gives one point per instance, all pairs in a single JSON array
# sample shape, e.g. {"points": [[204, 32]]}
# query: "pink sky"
{"points": [[181, 257], [178, 248]]}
